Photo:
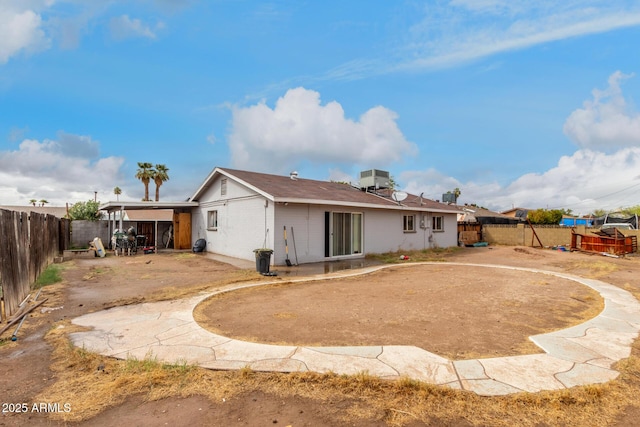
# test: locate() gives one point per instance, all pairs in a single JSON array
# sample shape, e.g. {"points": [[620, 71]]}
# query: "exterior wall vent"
{"points": [[374, 178]]}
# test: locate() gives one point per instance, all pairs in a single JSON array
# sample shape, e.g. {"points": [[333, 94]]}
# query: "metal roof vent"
{"points": [[293, 175]]}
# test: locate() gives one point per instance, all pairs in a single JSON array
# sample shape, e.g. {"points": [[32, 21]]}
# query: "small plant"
{"points": [[180, 366], [148, 364], [49, 276]]}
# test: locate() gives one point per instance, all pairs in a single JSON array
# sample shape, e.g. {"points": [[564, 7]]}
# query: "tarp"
{"points": [[616, 219]]}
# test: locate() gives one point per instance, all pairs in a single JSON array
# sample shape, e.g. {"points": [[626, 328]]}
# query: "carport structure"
{"points": [[156, 218]]}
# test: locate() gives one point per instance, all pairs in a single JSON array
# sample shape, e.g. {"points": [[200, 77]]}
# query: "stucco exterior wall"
{"points": [[245, 221], [385, 232], [382, 229]]}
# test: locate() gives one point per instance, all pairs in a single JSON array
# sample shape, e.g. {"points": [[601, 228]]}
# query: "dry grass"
{"points": [[92, 383], [437, 254], [594, 269], [91, 390]]}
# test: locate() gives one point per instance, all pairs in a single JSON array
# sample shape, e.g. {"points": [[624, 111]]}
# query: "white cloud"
{"points": [[431, 182], [300, 129], [603, 174], [583, 182], [20, 30], [124, 27], [453, 35], [338, 175], [606, 121], [456, 32], [65, 170]]}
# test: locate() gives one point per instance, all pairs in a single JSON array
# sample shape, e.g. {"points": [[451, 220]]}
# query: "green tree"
{"points": [[632, 210], [547, 216], [145, 174], [88, 210], [392, 182], [43, 202], [160, 175], [599, 212], [117, 191], [456, 193], [33, 201]]}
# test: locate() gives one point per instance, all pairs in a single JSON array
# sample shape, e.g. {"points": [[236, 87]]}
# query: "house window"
{"points": [[409, 223], [223, 187], [438, 223], [212, 220]]}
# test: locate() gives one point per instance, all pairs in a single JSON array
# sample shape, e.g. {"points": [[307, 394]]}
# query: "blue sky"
{"points": [[517, 103]]}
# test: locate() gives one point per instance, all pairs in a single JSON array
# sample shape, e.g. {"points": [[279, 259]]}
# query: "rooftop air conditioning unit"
{"points": [[374, 178]]}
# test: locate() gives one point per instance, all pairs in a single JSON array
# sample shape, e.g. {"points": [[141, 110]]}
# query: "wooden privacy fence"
{"points": [[28, 244]]}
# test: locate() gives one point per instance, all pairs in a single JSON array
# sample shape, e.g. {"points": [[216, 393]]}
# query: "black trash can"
{"points": [[263, 260], [200, 245]]}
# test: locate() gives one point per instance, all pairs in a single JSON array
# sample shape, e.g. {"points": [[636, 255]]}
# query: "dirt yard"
{"points": [[457, 312]]}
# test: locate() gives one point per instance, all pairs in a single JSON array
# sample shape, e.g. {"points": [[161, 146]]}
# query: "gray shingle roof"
{"points": [[301, 190]]}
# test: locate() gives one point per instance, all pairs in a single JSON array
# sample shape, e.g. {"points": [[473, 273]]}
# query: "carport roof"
{"points": [[136, 206]]}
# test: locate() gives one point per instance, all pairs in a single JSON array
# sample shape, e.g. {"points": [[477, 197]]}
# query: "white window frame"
{"points": [[212, 220], [409, 223], [437, 223]]}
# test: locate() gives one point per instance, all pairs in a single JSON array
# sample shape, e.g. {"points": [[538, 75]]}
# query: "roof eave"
{"points": [[110, 206], [390, 206]]}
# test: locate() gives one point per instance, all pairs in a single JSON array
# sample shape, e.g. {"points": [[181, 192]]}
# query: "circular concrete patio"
{"points": [[579, 355]]}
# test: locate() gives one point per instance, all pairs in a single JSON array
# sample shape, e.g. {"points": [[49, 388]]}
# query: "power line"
{"points": [[598, 198]]}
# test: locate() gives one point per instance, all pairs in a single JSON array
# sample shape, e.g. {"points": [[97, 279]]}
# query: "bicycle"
{"points": [[167, 237]]}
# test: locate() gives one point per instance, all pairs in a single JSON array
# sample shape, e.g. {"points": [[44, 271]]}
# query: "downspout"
{"points": [[266, 230]]}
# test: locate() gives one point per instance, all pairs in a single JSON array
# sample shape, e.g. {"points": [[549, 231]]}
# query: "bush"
{"points": [[88, 210], [544, 216]]}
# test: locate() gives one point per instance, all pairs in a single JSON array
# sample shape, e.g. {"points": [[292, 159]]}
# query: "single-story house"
{"points": [[239, 211], [476, 214], [520, 213]]}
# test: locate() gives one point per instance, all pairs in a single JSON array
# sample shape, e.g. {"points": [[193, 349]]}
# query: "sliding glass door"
{"points": [[345, 233]]}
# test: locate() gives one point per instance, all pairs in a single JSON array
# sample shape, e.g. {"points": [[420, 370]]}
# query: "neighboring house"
{"points": [[476, 214], [520, 213], [240, 211]]}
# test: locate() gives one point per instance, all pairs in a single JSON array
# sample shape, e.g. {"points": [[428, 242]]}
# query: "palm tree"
{"points": [[33, 201], [145, 174], [117, 191], [43, 202], [160, 175]]}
